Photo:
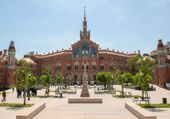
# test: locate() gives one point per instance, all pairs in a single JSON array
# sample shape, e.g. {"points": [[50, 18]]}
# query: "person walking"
{"points": [[3, 96]]}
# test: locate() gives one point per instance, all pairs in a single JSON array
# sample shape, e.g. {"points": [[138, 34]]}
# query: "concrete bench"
{"points": [[101, 92], [29, 113], [85, 100], [139, 112]]}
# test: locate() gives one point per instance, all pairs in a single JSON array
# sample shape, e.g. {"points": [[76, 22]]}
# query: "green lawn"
{"points": [[131, 96], [44, 96], [14, 105], [155, 105]]}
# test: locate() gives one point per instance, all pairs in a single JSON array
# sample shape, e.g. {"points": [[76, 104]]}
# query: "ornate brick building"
{"points": [[8, 66], [71, 62], [162, 67]]}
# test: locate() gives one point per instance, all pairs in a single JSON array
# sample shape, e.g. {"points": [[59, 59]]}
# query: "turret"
{"points": [[161, 56], [11, 49], [160, 45], [11, 55]]}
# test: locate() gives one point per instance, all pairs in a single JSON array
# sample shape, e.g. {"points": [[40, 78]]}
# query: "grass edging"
{"points": [[15, 105], [154, 105], [120, 96]]}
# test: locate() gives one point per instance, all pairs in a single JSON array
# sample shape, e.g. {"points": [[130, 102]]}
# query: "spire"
{"points": [[84, 13], [85, 22], [85, 33]]}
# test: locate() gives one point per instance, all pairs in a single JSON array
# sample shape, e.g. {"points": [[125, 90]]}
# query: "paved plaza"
{"points": [[112, 108]]}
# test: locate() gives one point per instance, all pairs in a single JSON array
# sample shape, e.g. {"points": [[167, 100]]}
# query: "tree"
{"points": [[128, 77], [45, 79], [121, 79], [59, 79], [68, 79], [105, 78], [132, 63], [23, 71], [31, 83], [144, 77]]}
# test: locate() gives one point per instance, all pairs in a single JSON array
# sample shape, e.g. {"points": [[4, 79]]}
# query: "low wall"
{"points": [[29, 113], [85, 100], [70, 92], [101, 92], [139, 112]]}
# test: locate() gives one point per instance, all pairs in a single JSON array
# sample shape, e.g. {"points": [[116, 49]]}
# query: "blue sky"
{"points": [[50, 25]]}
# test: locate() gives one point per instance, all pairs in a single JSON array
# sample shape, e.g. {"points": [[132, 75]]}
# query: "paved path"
{"points": [[112, 108]]}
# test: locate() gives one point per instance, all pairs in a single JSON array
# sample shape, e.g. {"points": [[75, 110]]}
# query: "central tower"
{"points": [[85, 34]]}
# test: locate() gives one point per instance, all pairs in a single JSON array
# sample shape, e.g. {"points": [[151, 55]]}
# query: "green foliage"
{"points": [[45, 78], [144, 77], [25, 77], [122, 78], [105, 78], [154, 105], [132, 63], [23, 72], [14, 105], [32, 81], [116, 74], [126, 77], [127, 96], [59, 79]]}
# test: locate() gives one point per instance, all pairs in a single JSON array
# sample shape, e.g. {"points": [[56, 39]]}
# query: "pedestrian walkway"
{"points": [[110, 109]]}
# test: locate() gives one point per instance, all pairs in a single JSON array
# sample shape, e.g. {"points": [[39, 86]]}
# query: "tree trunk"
{"points": [[105, 86], [122, 90], [28, 93], [142, 95], [147, 98], [48, 90], [24, 96]]}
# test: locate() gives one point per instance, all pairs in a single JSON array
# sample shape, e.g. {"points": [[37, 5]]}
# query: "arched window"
{"points": [[85, 49]]}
